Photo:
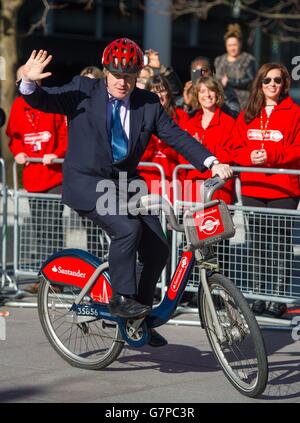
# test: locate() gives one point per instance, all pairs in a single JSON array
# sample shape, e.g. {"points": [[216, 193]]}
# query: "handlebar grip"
{"points": [[213, 181]]}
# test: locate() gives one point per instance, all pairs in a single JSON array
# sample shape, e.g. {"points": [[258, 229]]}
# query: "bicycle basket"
{"points": [[207, 224]]}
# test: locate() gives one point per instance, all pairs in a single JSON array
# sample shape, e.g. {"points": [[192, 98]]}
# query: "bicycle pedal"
{"points": [[133, 326]]}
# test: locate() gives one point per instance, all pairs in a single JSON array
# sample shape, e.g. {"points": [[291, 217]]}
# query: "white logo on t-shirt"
{"points": [[270, 135]]}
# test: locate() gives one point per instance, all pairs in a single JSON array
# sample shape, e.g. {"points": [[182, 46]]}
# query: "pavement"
{"points": [[184, 371]]}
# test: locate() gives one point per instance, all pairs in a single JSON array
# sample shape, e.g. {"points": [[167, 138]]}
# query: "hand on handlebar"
{"points": [[223, 170]]}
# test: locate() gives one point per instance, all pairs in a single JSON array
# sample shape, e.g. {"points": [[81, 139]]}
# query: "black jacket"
{"points": [[89, 156]]}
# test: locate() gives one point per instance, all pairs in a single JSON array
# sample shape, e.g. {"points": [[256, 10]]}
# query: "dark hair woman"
{"points": [[267, 134], [263, 92], [159, 85]]}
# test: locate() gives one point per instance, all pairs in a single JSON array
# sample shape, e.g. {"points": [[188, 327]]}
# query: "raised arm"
{"points": [[60, 100], [33, 70]]}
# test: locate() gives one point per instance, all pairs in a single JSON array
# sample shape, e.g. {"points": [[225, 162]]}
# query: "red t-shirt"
{"points": [[281, 140], [217, 139], [37, 133]]}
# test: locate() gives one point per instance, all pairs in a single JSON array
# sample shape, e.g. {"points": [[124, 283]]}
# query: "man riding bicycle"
{"points": [[110, 124]]}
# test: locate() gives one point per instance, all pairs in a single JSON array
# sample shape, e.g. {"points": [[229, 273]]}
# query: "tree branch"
{"points": [[42, 22], [275, 17]]}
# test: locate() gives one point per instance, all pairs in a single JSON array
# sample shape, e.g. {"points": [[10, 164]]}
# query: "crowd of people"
{"points": [[242, 115]]}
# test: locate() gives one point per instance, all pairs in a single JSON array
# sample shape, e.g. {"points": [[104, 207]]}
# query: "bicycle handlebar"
{"points": [[156, 202], [211, 185]]}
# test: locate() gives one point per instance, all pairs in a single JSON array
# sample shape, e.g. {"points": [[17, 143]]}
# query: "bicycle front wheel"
{"points": [[241, 353], [88, 343]]}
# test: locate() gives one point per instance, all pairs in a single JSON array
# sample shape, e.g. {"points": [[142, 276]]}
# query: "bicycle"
{"points": [[80, 328]]}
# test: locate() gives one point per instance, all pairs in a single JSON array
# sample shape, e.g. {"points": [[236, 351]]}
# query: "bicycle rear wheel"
{"points": [[85, 342], [242, 354]]}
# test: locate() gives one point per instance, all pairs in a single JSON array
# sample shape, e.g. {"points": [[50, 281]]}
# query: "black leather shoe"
{"points": [[259, 307], [156, 340], [127, 307], [276, 309]]}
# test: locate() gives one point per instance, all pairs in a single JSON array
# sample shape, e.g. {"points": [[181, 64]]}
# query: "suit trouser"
{"points": [[131, 236]]}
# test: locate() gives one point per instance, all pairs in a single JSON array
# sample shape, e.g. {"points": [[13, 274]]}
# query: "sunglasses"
{"points": [[277, 80]]}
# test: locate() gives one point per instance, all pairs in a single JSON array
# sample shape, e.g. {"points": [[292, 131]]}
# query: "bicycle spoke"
{"points": [[238, 353], [89, 342]]}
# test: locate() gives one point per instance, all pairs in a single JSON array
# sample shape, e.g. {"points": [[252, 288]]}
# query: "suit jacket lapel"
{"points": [[99, 105], [136, 119]]}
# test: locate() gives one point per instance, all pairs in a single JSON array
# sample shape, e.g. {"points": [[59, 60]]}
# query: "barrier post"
{"points": [[163, 218], [4, 224]]}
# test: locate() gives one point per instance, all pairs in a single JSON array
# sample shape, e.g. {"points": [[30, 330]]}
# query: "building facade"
{"points": [[76, 35]]}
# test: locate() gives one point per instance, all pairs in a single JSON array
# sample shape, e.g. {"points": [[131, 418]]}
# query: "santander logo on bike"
{"points": [[101, 291], [178, 277], [175, 284], [210, 225], [77, 274], [184, 262]]}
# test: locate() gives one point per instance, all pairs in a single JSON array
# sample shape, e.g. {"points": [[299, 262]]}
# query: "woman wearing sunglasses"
{"points": [[267, 135]]}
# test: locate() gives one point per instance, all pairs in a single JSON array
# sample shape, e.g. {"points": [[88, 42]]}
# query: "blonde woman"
{"points": [[213, 128], [236, 68]]}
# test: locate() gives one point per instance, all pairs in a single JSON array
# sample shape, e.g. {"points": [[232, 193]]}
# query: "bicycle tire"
{"points": [[85, 351], [239, 325]]}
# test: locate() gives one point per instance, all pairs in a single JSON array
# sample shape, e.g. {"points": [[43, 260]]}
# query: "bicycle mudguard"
{"points": [[75, 267]]}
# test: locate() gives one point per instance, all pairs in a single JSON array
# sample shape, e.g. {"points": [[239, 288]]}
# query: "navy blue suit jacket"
{"points": [[89, 156]]}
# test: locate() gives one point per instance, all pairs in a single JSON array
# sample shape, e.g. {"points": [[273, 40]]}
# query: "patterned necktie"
{"points": [[118, 137]]}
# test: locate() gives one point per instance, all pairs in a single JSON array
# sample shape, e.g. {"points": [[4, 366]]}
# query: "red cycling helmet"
{"points": [[123, 56]]}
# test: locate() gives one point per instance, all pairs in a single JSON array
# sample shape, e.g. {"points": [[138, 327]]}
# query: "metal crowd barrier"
{"points": [[43, 225], [4, 276], [262, 259], [267, 269]]}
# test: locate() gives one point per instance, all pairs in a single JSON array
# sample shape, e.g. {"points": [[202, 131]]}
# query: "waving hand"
{"points": [[33, 70]]}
